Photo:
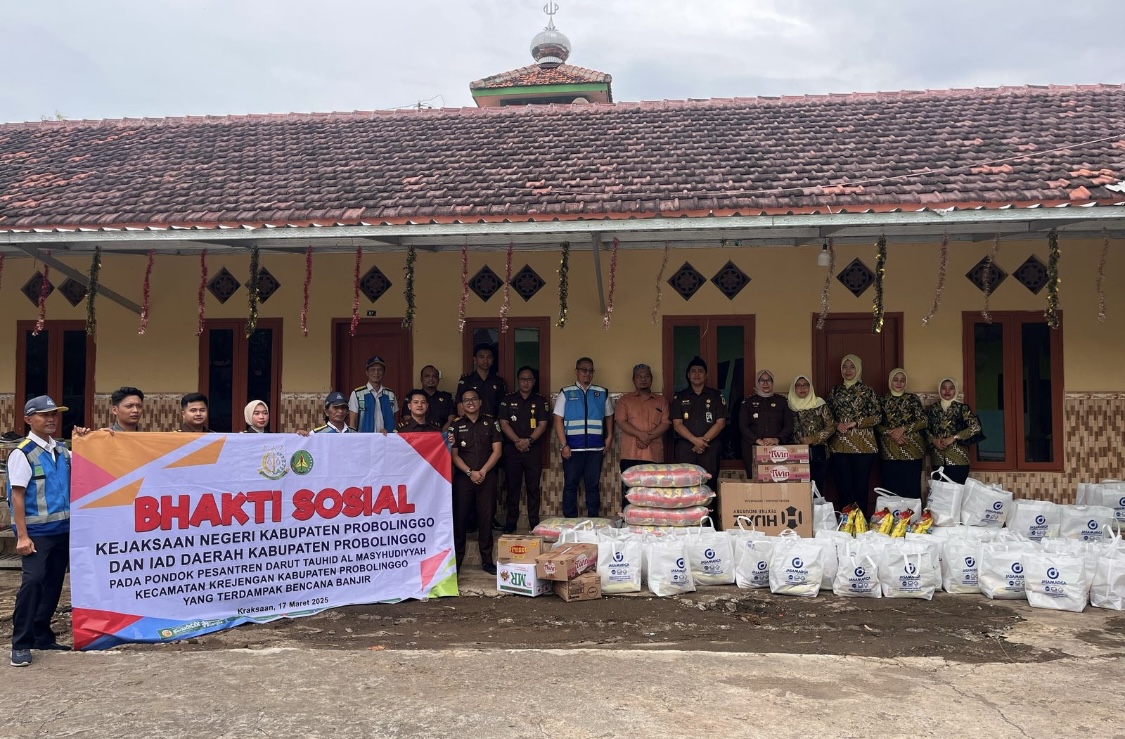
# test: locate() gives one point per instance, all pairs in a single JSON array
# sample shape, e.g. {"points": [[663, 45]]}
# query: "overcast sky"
{"points": [[131, 58]]}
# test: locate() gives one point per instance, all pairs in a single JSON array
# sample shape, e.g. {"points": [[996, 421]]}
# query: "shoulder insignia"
{"points": [[359, 389]]}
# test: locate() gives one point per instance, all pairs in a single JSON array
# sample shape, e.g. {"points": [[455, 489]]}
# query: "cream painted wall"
{"points": [[784, 294]]}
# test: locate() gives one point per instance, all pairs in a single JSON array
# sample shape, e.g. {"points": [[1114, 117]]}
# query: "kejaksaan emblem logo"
{"points": [[1017, 568], [970, 562], [1040, 520], [708, 553], [273, 464], [911, 568], [618, 556], [798, 563], [998, 505], [1092, 525], [680, 563], [860, 572], [1052, 573]]}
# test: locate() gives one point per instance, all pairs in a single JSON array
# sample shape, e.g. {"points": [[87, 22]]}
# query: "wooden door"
{"points": [[384, 337], [235, 369], [850, 333], [58, 362]]}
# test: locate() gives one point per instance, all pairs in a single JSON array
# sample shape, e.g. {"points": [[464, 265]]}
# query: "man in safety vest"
{"points": [[39, 496], [584, 427]]}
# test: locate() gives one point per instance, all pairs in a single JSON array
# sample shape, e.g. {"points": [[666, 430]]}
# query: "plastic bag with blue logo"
{"points": [[666, 567], [984, 505], [621, 563], [1035, 519], [944, 499], [1000, 571], [960, 566], [1086, 522], [797, 565], [1056, 581], [858, 573], [906, 570], [752, 562], [710, 556]]}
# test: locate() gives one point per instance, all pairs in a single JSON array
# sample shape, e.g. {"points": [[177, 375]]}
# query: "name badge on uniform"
{"points": [[532, 424], [709, 418]]}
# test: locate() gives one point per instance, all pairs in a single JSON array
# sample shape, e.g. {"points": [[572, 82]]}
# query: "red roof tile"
{"points": [[533, 74], [796, 154]]}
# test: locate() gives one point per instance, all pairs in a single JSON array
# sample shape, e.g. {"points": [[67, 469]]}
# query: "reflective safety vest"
{"points": [[46, 501], [584, 417]]}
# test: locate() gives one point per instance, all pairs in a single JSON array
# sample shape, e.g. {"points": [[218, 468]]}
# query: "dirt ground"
{"points": [[959, 628]]}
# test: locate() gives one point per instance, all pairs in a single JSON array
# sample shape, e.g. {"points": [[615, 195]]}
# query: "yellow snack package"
{"points": [[848, 520], [925, 523], [902, 523], [860, 523]]}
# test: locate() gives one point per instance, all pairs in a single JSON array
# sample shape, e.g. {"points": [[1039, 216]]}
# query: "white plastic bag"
{"points": [[937, 549], [621, 564], [824, 512], [906, 570], [1001, 570], [959, 566], [582, 532], [896, 503], [1107, 587], [984, 505], [752, 563], [710, 556], [1086, 522], [1035, 519], [666, 567], [1055, 581], [858, 573], [944, 499], [831, 541], [796, 567]]}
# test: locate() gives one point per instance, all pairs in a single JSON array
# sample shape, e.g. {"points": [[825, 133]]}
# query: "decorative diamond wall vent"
{"points": [[31, 287], [267, 284], [687, 280], [485, 283], [730, 280], [223, 285], [857, 277], [374, 283], [1032, 274], [526, 283], [996, 275], [73, 290]]}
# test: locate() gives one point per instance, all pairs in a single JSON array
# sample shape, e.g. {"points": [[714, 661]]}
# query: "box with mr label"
{"points": [[520, 579], [770, 507], [782, 454], [566, 562]]}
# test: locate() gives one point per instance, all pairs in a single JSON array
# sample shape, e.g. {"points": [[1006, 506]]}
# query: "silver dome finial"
{"points": [[550, 47]]}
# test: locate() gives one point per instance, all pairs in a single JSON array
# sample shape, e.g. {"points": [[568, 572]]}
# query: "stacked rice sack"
{"points": [[666, 495]]}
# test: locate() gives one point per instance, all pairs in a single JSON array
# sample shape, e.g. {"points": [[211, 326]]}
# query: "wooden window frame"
{"points": [[238, 370], [508, 347], [1014, 448], [55, 331]]}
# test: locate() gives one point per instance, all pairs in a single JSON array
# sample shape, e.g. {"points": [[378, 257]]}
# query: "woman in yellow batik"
{"points": [[902, 447], [813, 424], [856, 410], [953, 428]]}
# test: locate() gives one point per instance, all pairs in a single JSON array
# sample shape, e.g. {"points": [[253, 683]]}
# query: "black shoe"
{"points": [[54, 646], [21, 657], [496, 525], [489, 568]]}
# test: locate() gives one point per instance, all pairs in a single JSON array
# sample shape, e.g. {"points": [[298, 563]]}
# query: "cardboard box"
{"points": [[772, 507], [782, 473], [783, 454], [520, 579], [566, 562], [587, 586], [524, 549]]}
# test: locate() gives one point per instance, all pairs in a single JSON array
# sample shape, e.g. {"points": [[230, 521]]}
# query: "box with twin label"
{"points": [[566, 562], [782, 473], [769, 507], [782, 454], [520, 579]]}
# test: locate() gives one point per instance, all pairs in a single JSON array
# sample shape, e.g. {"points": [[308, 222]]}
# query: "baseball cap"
{"points": [[42, 404], [376, 360], [335, 398]]}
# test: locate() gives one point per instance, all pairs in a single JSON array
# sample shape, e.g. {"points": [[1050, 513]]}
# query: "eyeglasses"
{"points": [[586, 369], [470, 400]]}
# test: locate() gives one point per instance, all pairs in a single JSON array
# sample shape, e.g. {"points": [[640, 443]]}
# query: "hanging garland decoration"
{"points": [[986, 278], [408, 290], [464, 288], [254, 294], [1052, 312], [564, 284], [827, 285], [612, 285], [507, 292], [201, 306], [660, 283], [1, 269], [880, 272], [1101, 274], [145, 293], [943, 262], [308, 283], [43, 287], [355, 290], [92, 291]]}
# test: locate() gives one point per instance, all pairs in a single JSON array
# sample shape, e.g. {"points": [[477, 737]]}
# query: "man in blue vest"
{"points": [[372, 407], [39, 496], [584, 427]]}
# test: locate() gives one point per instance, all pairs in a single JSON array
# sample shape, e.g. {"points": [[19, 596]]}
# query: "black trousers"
{"points": [[468, 496], [852, 473], [523, 469], [708, 460], [818, 466], [902, 477], [957, 472], [39, 592]]}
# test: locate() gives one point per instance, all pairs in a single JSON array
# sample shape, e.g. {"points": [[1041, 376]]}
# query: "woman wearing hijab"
{"points": [[900, 438], [856, 410], [953, 428], [813, 424], [257, 415], [764, 419]]}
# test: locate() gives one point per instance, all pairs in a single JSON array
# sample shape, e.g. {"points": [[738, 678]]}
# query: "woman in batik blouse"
{"points": [[813, 424], [953, 428], [856, 410], [901, 444]]}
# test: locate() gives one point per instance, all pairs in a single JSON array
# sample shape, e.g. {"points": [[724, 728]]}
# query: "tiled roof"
{"points": [[880, 151], [533, 74]]}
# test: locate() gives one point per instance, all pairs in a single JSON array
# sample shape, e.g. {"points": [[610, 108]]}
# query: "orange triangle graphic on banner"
{"points": [[124, 496], [207, 455]]}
